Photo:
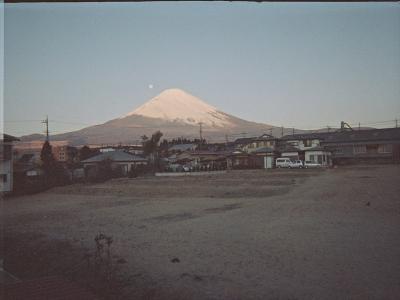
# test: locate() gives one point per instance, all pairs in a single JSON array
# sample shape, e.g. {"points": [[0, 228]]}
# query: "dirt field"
{"points": [[283, 234]]}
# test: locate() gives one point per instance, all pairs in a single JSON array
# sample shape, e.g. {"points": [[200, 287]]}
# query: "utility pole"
{"points": [[282, 131], [359, 126], [329, 128], [46, 121]]}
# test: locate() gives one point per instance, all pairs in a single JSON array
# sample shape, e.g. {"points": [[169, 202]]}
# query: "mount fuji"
{"points": [[175, 113]]}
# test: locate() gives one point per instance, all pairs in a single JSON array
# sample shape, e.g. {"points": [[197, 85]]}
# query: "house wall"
{"points": [[304, 144], [126, 166], [294, 155], [6, 178], [253, 146], [322, 157], [367, 152], [6, 167]]}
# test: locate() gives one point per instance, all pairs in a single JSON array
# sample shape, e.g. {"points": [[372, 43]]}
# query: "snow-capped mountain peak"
{"points": [[179, 106]]}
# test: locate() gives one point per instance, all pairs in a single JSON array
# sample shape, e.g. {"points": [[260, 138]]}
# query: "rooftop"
{"points": [[116, 156]]}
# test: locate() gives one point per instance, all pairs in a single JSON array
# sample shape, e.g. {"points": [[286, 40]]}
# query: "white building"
{"points": [[318, 155], [6, 163]]}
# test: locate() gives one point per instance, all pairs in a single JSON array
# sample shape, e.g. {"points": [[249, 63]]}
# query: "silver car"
{"points": [[296, 164]]}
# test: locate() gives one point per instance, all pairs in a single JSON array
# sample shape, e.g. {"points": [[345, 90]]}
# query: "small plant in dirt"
{"points": [[100, 264], [102, 256]]}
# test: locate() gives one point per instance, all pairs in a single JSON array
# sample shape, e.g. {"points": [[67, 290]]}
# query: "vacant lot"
{"points": [[283, 234]]}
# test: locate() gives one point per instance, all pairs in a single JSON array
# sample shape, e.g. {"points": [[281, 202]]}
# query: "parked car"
{"points": [[296, 164], [312, 164], [282, 162]]}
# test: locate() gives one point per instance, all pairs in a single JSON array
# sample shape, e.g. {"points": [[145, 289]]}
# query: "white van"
{"points": [[282, 162]]}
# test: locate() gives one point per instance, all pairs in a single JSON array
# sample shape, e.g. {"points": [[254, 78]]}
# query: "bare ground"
{"points": [[283, 234]]}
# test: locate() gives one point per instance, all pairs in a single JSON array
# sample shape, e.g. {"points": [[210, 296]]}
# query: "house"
{"points": [[65, 153], [178, 148], [119, 160], [264, 141], [304, 141], [252, 144], [291, 152], [210, 160], [198, 160], [6, 162], [242, 160], [364, 146], [266, 157], [295, 146], [28, 165], [319, 154]]}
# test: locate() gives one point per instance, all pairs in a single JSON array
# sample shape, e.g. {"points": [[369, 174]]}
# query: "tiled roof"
{"points": [[306, 136], [116, 156], [387, 134], [317, 148], [349, 136], [182, 147], [264, 150]]}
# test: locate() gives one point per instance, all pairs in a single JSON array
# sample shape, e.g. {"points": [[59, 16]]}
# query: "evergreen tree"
{"points": [[46, 155], [54, 173]]}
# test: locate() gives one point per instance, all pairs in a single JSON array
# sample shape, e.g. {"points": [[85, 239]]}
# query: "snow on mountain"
{"points": [[179, 106], [175, 113]]}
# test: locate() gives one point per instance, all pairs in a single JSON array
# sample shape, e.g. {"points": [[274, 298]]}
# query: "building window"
{"points": [[3, 178], [307, 143], [312, 157], [358, 149], [385, 148], [339, 151]]}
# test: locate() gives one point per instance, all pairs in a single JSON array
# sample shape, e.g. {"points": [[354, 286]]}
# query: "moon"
{"points": [[151, 86]]}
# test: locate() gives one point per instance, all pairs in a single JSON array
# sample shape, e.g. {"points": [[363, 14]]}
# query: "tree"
{"points": [[46, 155], [85, 152], [151, 147], [54, 173]]}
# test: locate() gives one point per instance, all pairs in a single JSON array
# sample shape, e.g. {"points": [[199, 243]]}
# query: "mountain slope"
{"points": [[177, 114], [176, 105]]}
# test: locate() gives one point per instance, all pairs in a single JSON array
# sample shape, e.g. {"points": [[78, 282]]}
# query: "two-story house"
{"points": [[306, 147]]}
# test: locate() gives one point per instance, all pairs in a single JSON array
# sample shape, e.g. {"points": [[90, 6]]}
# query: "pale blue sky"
{"points": [[305, 65]]}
